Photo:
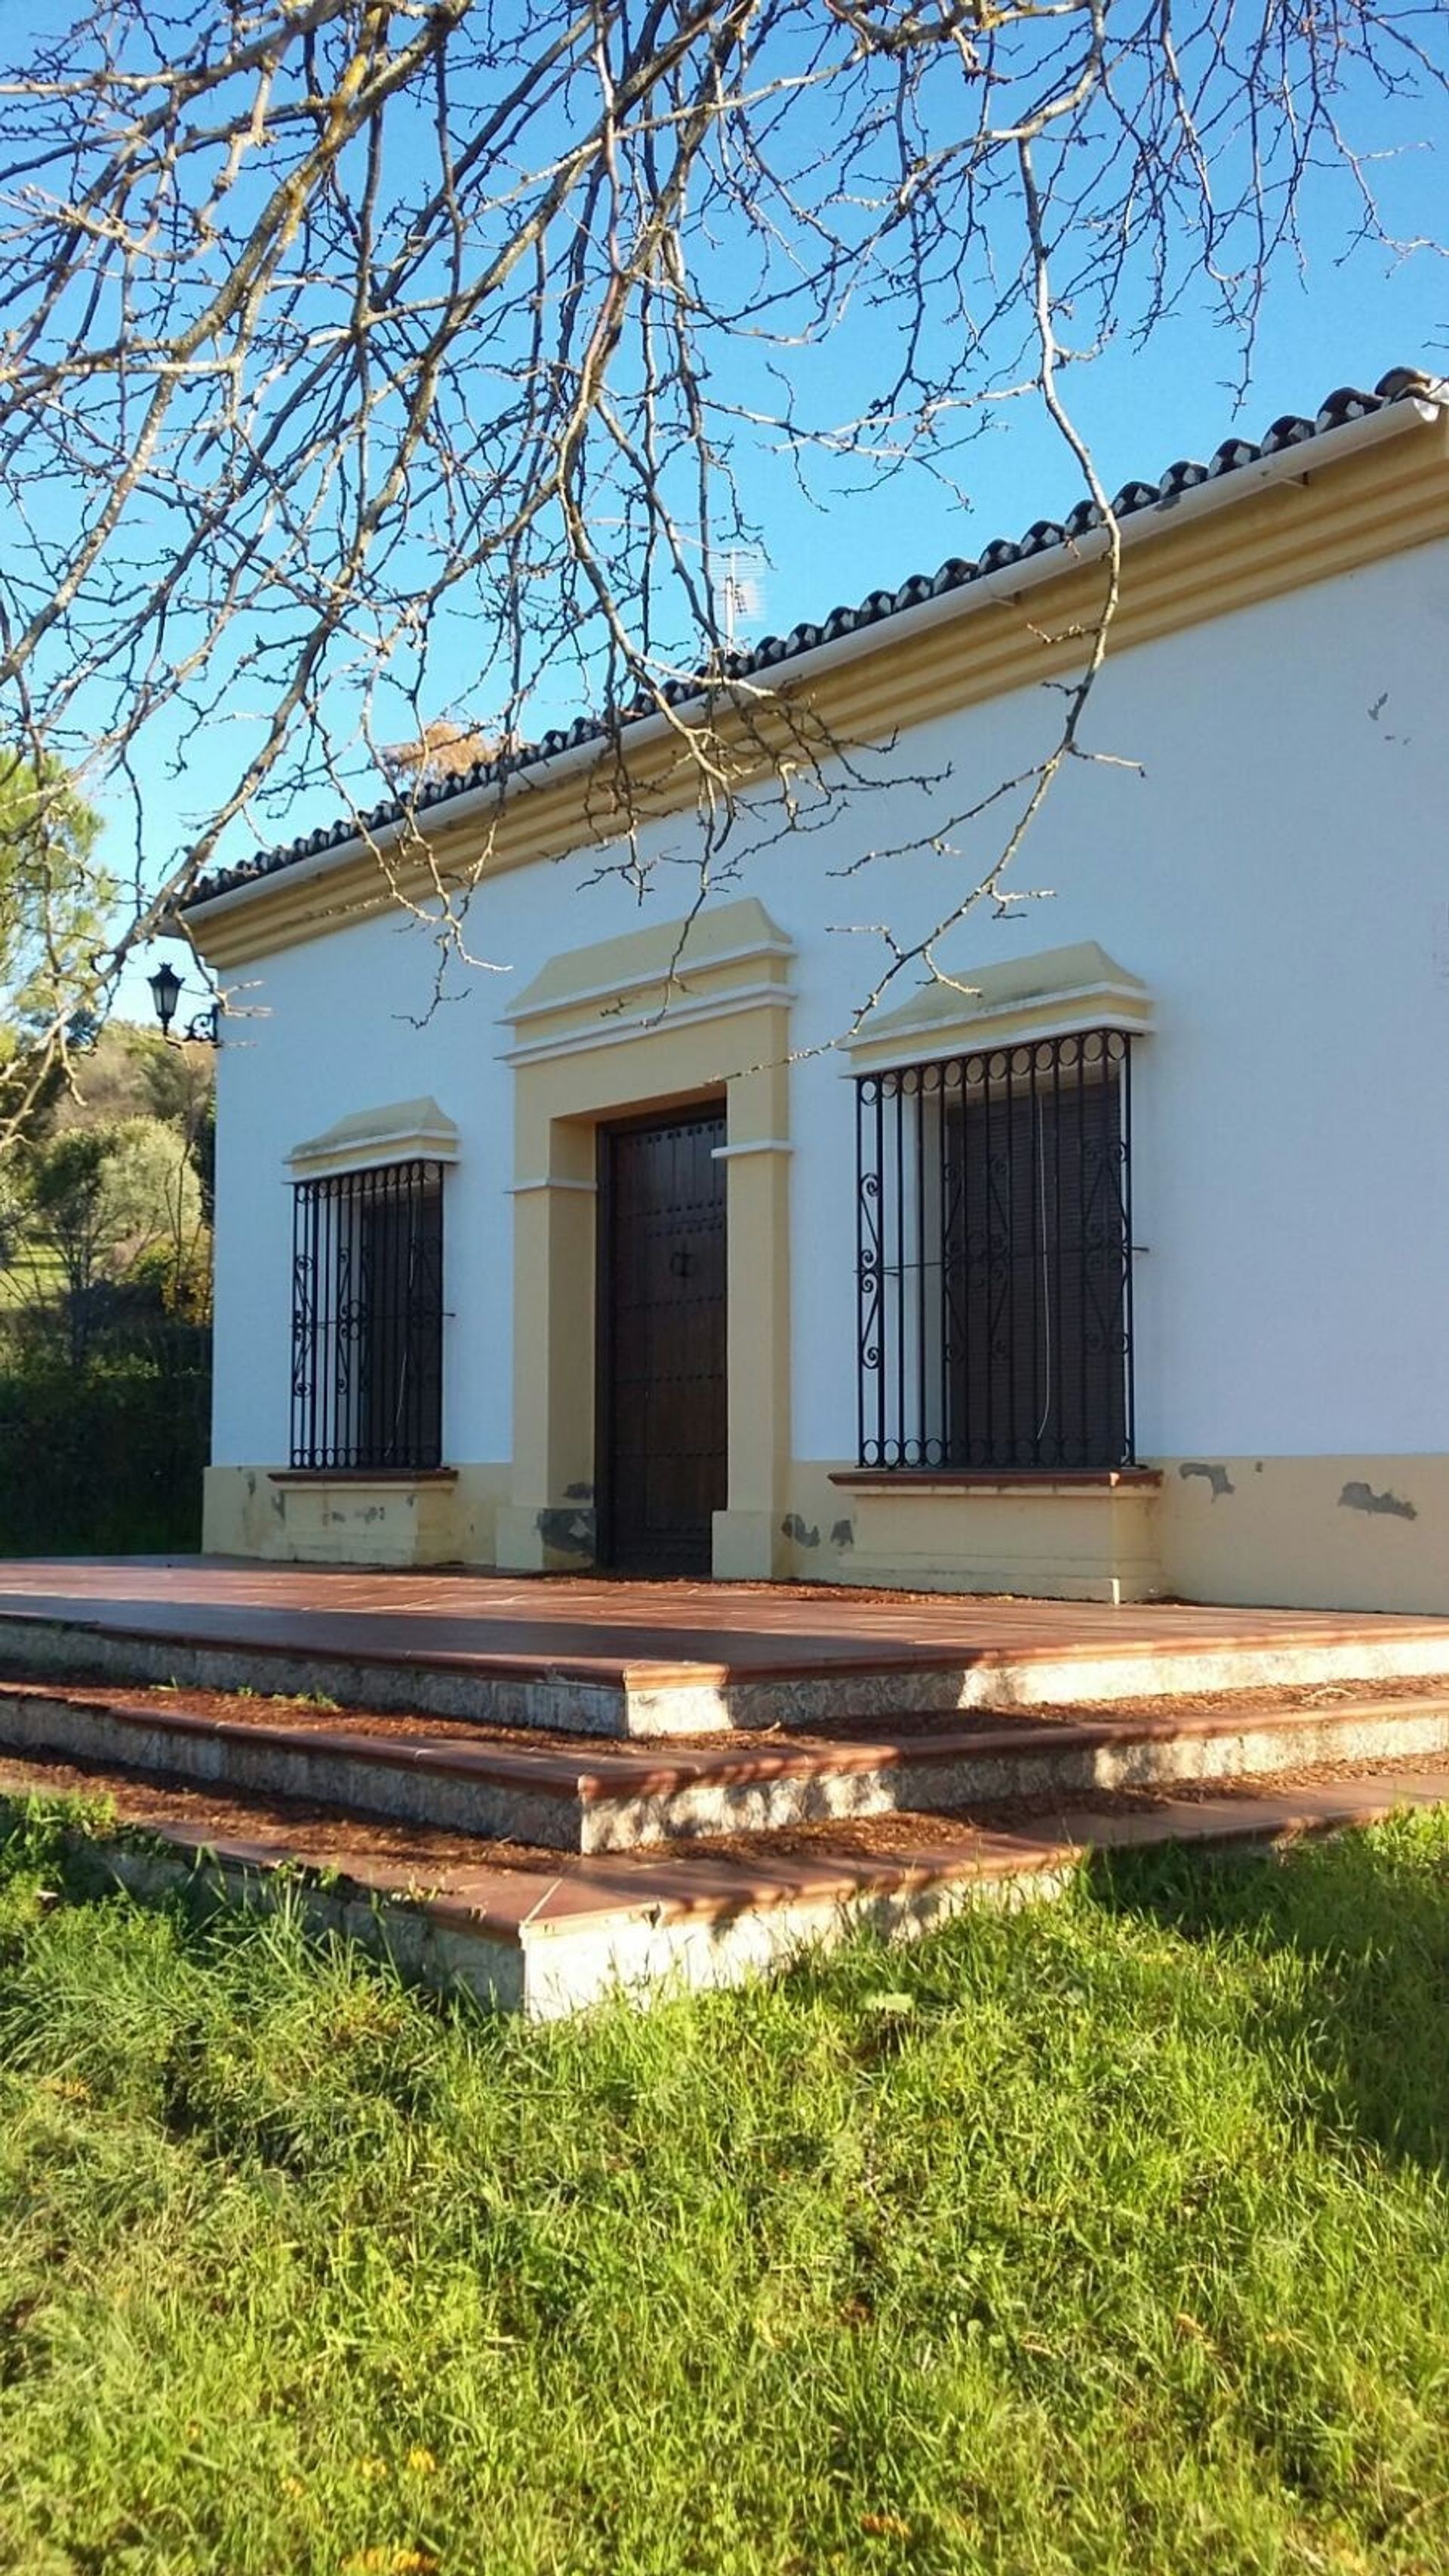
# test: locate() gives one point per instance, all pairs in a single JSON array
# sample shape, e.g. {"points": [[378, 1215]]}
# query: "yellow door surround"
{"points": [[656, 1020]]}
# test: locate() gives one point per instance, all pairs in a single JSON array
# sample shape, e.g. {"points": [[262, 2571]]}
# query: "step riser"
{"points": [[523, 1940], [490, 1809], [565, 1972], [1251, 1752], [561, 1820], [421, 1948], [556, 1704], [653, 1710], [547, 1975]]}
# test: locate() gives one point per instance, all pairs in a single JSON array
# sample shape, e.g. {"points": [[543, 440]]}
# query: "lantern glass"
{"points": [[165, 993]]}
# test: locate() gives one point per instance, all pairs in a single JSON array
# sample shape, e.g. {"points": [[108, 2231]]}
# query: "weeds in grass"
{"points": [[1103, 2240]]}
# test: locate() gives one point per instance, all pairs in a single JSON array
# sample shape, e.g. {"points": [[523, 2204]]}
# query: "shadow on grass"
{"points": [[1366, 1915]]}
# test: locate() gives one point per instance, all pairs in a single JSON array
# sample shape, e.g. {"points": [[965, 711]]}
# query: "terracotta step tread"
{"points": [[592, 1770], [1301, 1699], [507, 1890], [575, 1631]]}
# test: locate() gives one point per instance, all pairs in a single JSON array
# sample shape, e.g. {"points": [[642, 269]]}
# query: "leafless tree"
{"points": [[333, 329]]}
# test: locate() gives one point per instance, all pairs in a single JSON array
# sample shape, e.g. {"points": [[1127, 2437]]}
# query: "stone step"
{"points": [[586, 1797], [576, 1655], [547, 1933]]}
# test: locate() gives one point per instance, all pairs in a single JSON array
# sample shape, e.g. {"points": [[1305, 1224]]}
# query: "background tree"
{"points": [[112, 1180], [105, 1302], [54, 907], [110, 1207], [341, 338], [123, 1071]]}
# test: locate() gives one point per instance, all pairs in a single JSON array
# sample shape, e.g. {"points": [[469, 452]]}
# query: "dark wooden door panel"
{"points": [[663, 1410]]}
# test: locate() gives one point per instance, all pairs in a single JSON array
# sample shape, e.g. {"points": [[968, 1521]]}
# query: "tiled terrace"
{"points": [[667, 1658], [443, 1803]]}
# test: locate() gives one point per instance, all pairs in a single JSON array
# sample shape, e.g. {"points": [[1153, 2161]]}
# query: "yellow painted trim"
{"points": [[670, 963], [721, 999], [720, 1043], [1338, 515], [408, 1131], [1058, 1540], [1336, 1533]]}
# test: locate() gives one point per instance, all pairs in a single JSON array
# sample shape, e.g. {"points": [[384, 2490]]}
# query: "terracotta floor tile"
{"points": [[599, 1629]]}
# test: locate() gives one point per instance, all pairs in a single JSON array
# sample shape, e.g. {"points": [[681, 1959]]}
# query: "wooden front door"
{"points": [[663, 1417]]}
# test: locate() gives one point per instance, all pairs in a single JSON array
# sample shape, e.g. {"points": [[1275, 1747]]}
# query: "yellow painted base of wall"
{"points": [[264, 1512], [1330, 1533], [1353, 1533], [1347, 1533], [1063, 1541]]}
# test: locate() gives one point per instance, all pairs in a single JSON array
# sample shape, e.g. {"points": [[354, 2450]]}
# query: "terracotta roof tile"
{"points": [[1346, 404]]}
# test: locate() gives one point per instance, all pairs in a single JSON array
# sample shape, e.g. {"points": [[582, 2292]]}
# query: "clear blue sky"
{"points": [[1336, 320]]}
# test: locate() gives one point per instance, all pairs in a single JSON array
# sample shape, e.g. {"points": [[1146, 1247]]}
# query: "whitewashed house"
{"points": [[1118, 1265]]}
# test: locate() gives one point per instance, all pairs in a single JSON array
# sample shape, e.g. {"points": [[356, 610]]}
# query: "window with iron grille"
{"points": [[367, 1319], [995, 1259]]}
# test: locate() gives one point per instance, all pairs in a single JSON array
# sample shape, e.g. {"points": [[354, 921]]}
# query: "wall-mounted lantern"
{"points": [[166, 991]]}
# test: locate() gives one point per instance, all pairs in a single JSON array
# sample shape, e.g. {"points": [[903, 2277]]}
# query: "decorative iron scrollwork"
{"points": [[994, 1259], [367, 1319]]}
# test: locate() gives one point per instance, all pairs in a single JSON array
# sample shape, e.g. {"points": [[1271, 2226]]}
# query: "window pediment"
{"points": [[1050, 994], [405, 1131]]}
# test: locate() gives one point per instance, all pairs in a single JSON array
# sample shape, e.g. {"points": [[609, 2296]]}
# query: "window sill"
{"points": [[995, 1480], [363, 1475]]}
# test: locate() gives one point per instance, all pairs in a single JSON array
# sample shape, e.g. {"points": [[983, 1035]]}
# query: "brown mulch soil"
{"points": [[935, 1830], [250, 1708], [241, 1708], [326, 1837], [428, 1857]]}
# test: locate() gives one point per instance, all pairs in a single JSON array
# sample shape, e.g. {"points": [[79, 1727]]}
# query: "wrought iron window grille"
{"points": [[367, 1319], [994, 1259]]}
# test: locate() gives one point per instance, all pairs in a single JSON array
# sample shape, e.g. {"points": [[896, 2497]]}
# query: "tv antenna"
{"points": [[741, 591]]}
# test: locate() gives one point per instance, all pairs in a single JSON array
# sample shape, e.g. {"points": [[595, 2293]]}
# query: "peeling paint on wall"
{"points": [[578, 1493], [571, 1532], [794, 1527], [843, 1534], [1359, 1497], [1218, 1477]]}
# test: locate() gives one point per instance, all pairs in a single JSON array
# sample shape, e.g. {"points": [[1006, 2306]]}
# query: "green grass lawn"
{"points": [[1108, 2237]]}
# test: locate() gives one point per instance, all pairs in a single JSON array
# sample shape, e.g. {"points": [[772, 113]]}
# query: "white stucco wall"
{"points": [[1275, 873]]}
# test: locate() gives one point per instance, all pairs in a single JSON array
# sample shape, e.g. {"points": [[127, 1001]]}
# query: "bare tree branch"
{"points": [[349, 344]]}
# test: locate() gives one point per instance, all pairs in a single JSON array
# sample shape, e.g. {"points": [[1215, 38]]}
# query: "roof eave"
{"points": [[1292, 464]]}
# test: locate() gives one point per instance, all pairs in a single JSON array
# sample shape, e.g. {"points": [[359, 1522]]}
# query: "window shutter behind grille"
{"points": [[402, 1245], [1015, 1164], [1033, 1376]]}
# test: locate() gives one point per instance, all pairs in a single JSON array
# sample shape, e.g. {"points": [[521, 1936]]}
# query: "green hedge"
{"points": [[105, 1457]]}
